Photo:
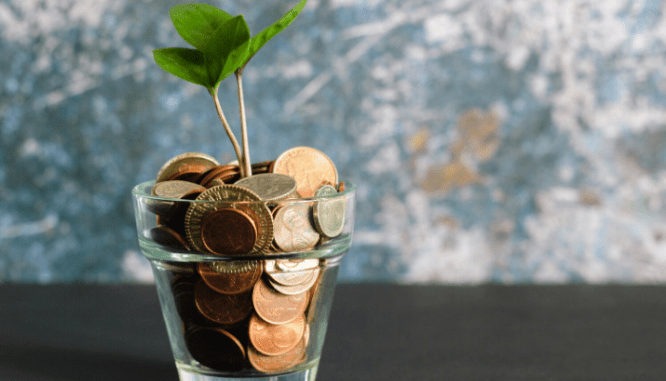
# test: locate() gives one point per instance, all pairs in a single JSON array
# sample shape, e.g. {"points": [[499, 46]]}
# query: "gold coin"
{"points": [[276, 308], [272, 339], [292, 228], [230, 283], [189, 162], [230, 196], [329, 215], [269, 186], [308, 166]]}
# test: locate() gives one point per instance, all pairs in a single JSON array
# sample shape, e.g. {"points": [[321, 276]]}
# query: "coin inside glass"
{"points": [[232, 282], [228, 231], [215, 348]]}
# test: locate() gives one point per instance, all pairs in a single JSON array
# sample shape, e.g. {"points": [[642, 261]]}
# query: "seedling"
{"points": [[222, 45]]}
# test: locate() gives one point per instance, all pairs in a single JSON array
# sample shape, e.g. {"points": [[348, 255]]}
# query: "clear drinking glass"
{"points": [[231, 317]]}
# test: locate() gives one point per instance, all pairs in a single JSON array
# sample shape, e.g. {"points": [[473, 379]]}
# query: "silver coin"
{"points": [[293, 290], [296, 264], [329, 215], [292, 228], [288, 278], [269, 186]]}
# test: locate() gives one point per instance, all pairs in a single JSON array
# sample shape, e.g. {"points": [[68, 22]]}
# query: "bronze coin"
{"points": [[215, 348], [341, 187], [276, 308], [230, 283], [186, 163], [168, 237], [272, 339], [279, 363], [228, 231], [238, 198], [213, 173], [222, 308]]}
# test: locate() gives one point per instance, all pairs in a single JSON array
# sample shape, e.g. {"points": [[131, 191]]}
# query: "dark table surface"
{"points": [[376, 332]]}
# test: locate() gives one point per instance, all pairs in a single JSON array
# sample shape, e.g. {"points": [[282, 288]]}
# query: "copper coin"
{"points": [[276, 308], [228, 231], [189, 162], [279, 363], [168, 237], [210, 174], [271, 339], [235, 197], [292, 228], [230, 283], [222, 308], [310, 168], [341, 187], [215, 348]]}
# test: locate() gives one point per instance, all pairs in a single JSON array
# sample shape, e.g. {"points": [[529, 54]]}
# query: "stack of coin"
{"points": [[252, 312], [254, 215], [247, 313]]}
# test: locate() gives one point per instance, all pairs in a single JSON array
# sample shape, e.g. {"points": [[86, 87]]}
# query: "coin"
{"points": [[297, 289], [269, 186], [341, 187], [293, 230], [230, 283], [168, 237], [235, 266], [215, 348], [279, 363], [212, 173], [289, 277], [308, 166], [176, 189], [228, 231], [329, 215], [234, 197], [296, 264], [276, 308], [271, 339], [190, 162], [221, 308]]}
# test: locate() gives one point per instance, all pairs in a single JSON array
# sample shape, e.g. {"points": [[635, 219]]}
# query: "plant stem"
{"points": [[230, 134], [241, 104]]}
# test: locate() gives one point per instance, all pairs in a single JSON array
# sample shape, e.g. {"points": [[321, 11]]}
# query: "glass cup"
{"points": [[257, 316]]}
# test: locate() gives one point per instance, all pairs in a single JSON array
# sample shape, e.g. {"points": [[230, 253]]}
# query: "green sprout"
{"points": [[222, 45]]}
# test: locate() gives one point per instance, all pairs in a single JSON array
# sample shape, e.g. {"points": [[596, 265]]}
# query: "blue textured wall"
{"points": [[509, 141]]}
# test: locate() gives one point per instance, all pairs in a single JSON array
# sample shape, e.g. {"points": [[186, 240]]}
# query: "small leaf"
{"points": [[184, 63], [197, 22], [225, 49], [258, 41]]}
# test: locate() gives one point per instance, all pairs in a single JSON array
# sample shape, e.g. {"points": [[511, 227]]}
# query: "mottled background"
{"points": [[491, 140]]}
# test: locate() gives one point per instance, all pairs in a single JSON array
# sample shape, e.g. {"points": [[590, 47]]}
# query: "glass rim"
{"points": [[139, 190]]}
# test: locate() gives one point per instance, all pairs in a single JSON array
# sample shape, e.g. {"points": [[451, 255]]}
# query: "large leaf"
{"points": [[184, 63], [258, 41], [197, 22], [227, 46]]}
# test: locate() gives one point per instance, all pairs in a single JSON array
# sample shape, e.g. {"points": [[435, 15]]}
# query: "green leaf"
{"points": [[227, 46], [258, 41], [197, 22], [184, 63]]}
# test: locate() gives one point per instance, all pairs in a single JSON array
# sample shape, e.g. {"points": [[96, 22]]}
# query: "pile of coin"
{"points": [[247, 314], [247, 215], [240, 313]]}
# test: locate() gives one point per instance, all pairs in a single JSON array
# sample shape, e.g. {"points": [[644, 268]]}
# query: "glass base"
{"points": [[304, 375]]}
